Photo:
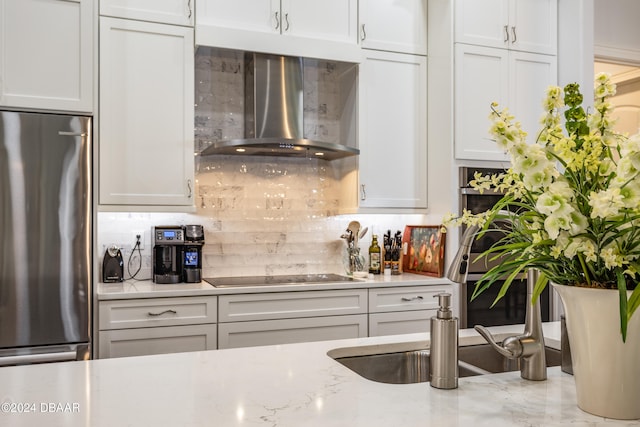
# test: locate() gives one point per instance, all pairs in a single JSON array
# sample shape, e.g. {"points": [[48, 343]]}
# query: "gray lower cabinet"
{"points": [[136, 327], [403, 310], [289, 317]]}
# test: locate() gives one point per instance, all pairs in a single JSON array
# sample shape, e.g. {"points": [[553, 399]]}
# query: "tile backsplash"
{"points": [[261, 215]]}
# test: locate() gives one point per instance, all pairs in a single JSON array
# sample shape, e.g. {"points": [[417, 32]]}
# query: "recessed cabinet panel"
{"points": [[154, 312], [307, 28], [394, 25], [46, 54], [524, 25], [284, 305], [405, 322], [393, 131], [405, 298], [515, 80], [147, 341], [272, 332], [177, 12], [481, 78], [146, 113]]}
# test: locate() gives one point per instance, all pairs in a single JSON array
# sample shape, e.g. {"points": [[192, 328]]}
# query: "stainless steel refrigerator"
{"points": [[45, 237]]}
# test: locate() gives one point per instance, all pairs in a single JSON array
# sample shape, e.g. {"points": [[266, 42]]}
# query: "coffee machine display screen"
{"points": [[191, 258], [169, 234]]}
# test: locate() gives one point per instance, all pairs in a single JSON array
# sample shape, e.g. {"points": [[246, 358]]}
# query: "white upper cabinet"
{"points": [[516, 80], [394, 25], [308, 28], [146, 113], [393, 131], [46, 54], [176, 12], [525, 25]]}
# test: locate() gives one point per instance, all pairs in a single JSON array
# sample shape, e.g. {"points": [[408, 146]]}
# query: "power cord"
{"points": [[135, 247]]}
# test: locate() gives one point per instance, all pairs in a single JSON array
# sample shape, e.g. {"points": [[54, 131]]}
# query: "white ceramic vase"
{"points": [[606, 370]]}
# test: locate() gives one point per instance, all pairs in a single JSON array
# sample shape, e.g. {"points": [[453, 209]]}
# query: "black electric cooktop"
{"points": [[294, 279]]}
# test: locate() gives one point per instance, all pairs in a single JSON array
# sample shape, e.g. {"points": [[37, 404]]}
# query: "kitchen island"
{"points": [[285, 385]]}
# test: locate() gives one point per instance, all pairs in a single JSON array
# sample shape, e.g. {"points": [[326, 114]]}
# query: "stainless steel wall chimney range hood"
{"points": [[274, 114]]}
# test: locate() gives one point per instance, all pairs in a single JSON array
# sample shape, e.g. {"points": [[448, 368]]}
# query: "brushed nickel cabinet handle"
{"points": [[189, 188], [363, 36], [418, 298], [506, 33], [513, 30], [65, 133], [161, 313], [286, 20], [277, 21], [363, 192]]}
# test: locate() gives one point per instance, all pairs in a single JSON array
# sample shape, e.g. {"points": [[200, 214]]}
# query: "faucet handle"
{"points": [[511, 348]]}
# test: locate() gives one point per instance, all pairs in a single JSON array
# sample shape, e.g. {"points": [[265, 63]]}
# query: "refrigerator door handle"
{"points": [[38, 358], [65, 133]]}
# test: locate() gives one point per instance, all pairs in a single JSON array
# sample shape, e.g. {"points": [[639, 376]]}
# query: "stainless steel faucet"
{"points": [[527, 347]]}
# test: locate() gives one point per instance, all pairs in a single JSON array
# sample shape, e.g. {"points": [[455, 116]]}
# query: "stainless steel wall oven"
{"points": [[511, 308]]}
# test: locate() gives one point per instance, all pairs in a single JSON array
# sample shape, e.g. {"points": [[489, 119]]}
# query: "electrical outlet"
{"points": [[136, 233]]}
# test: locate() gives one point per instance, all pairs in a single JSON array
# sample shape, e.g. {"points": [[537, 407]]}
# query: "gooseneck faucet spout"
{"points": [[529, 346]]}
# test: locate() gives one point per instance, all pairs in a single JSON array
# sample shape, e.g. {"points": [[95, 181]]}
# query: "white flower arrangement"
{"points": [[576, 192]]}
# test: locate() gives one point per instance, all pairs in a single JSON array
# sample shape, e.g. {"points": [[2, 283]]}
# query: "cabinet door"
{"points": [[146, 113], [46, 54], [482, 22], [146, 341], [533, 26], [394, 25], [393, 131], [308, 28], [406, 298], [177, 12], [404, 322], [529, 76], [257, 16], [335, 20], [286, 331], [481, 77], [286, 305]]}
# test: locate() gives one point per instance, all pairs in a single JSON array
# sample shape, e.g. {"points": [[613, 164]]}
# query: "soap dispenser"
{"points": [[443, 358]]}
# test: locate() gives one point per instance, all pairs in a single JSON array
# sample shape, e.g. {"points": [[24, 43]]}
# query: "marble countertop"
{"points": [[284, 385], [148, 289]]}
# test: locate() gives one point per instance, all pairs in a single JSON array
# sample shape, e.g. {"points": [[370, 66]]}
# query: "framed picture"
{"points": [[423, 249]]}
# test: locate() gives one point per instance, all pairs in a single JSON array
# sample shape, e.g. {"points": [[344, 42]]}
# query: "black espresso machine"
{"points": [[177, 253]]}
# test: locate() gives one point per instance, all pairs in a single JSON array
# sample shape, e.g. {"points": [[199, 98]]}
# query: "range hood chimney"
{"points": [[274, 114]]}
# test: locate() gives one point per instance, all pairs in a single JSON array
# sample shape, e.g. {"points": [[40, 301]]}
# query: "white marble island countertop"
{"points": [[287, 385]]}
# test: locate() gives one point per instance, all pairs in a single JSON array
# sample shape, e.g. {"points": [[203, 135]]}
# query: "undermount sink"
{"points": [[412, 366], [405, 367]]}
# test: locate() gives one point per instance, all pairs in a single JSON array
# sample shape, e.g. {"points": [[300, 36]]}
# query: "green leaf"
{"points": [[622, 290]]}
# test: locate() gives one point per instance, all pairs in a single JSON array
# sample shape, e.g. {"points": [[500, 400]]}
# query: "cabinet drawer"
{"points": [[405, 298], [287, 305], [145, 341], [286, 331], [401, 322], [145, 313]]}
